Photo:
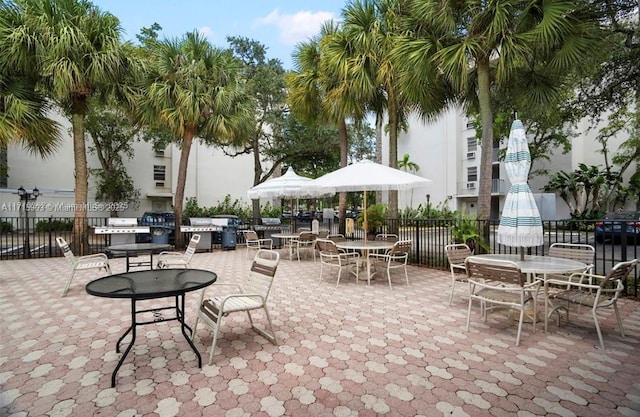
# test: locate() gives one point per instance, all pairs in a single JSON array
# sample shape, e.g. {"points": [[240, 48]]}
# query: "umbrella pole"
{"points": [[364, 223]]}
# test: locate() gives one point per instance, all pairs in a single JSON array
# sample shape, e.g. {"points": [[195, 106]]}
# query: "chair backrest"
{"points": [[457, 253], [401, 247], [505, 272], [250, 235], [323, 233], [66, 250], [263, 270], [326, 246], [191, 249], [307, 237], [336, 237], [387, 237], [576, 251], [620, 271]]}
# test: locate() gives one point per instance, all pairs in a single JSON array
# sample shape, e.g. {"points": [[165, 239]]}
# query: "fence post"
{"points": [[50, 242], [417, 241]]}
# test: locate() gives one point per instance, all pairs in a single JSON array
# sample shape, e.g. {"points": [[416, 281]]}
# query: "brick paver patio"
{"points": [[350, 350]]}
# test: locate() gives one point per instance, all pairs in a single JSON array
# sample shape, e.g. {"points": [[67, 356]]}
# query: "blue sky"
{"points": [[278, 24]]}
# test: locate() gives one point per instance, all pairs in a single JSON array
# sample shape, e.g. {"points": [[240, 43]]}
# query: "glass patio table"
{"points": [[150, 285]]}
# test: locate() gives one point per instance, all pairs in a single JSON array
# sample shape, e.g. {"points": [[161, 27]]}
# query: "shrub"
{"points": [[54, 225], [6, 227]]}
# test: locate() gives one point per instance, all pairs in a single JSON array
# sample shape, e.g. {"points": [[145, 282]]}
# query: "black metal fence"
{"points": [[35, 238]]}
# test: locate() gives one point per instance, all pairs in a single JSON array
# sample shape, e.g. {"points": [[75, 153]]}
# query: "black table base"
{"points": [[179, 308]]}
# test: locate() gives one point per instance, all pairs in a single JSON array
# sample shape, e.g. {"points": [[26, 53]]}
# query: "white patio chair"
{"points": [[96, 261], [457, 253], [396, 257], [501, 285], [306, 241], [594, 291], [254, 243], [332, 257], [179, 259], [387, 237], [253, 295]]}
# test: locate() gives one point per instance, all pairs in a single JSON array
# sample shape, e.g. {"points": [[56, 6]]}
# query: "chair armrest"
{"points": [[181, 254], [95, 256]]}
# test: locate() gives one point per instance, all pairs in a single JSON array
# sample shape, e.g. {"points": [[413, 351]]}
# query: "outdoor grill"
{"points": [[205, 227], [122, 230], [268, 226]]}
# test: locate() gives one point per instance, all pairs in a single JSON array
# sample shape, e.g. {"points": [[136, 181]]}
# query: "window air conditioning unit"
{"points": [[471, 186], [160, 184], [471, 155]]}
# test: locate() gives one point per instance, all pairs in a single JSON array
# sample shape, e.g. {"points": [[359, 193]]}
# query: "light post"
{"points": [[25, 197], [428, 205]]}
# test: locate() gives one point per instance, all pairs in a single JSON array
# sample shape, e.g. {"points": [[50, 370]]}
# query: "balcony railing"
{"points": [[471, 188]]}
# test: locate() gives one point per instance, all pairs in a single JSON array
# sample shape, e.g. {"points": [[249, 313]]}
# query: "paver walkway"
{"points": [[350, 350]]}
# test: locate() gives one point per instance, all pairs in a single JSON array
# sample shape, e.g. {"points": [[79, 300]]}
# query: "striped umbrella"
{"points": [[520, 223]]}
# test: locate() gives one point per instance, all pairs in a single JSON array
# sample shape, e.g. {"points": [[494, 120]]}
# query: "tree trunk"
{"points": [[379, 120], [257, 174], [393, 158], [344, 148], [486, 160], [178, 202], [80, 244]]}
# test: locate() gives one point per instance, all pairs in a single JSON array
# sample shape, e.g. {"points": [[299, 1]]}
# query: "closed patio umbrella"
{"points": [[520, 223]]}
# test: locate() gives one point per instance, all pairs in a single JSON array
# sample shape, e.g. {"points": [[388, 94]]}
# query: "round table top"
{"points": [[365, 244], [285, 235], [535, 263], [155, 283], [132, 247]]}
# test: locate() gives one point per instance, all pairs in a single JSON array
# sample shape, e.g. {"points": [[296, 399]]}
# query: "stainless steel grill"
{"points": [[268, 226], [123, 230], [205, 227]]}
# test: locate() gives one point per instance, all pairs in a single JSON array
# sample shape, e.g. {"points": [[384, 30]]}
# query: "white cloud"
{"points": [[206, 31], [296, 27]]}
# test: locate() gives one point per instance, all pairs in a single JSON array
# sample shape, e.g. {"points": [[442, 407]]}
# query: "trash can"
{"points": [[160, 235], [228, 238]]}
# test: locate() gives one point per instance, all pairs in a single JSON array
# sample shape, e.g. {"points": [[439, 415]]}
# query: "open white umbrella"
{"points": [[520, 223], [366, 176], [288, 185]]}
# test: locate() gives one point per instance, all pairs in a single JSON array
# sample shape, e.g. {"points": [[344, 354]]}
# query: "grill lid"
{"points": [[122, 222], [271, 221], [201, 221]]}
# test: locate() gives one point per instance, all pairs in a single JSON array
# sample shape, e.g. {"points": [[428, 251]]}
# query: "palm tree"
{"points": [[75, 50], [191, 90], [406, 164], [317, 92], [481, 46]]}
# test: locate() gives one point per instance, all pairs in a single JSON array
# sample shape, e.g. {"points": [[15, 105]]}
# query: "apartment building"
{"points": [[447, 152]]}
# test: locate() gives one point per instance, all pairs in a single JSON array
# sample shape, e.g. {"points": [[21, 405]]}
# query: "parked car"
{"points": [[160, 222], [611, 226]]}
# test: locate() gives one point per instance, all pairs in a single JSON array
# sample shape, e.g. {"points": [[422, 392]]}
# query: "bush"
{"points": [[57, 225], [6, 227]]}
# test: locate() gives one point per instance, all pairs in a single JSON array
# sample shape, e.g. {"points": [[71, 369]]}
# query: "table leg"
{"points": [[133, 338], [127, 256], [185, 326]]}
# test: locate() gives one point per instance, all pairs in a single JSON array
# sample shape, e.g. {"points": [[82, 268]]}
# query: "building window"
{"points": [[472, 174], [159, 153], [472, 144], [159, 172]]}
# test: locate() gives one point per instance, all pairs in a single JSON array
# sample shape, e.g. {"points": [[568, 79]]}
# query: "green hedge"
{"points": [[54, 225]]}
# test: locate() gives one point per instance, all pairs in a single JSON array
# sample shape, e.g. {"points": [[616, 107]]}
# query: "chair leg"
{"points": [[453, 286], [406, 275], [271, 337], [520, 325], [389, 277], [466, 329], [615, 309], [595, 320], [68, 284], [215, 339]]}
